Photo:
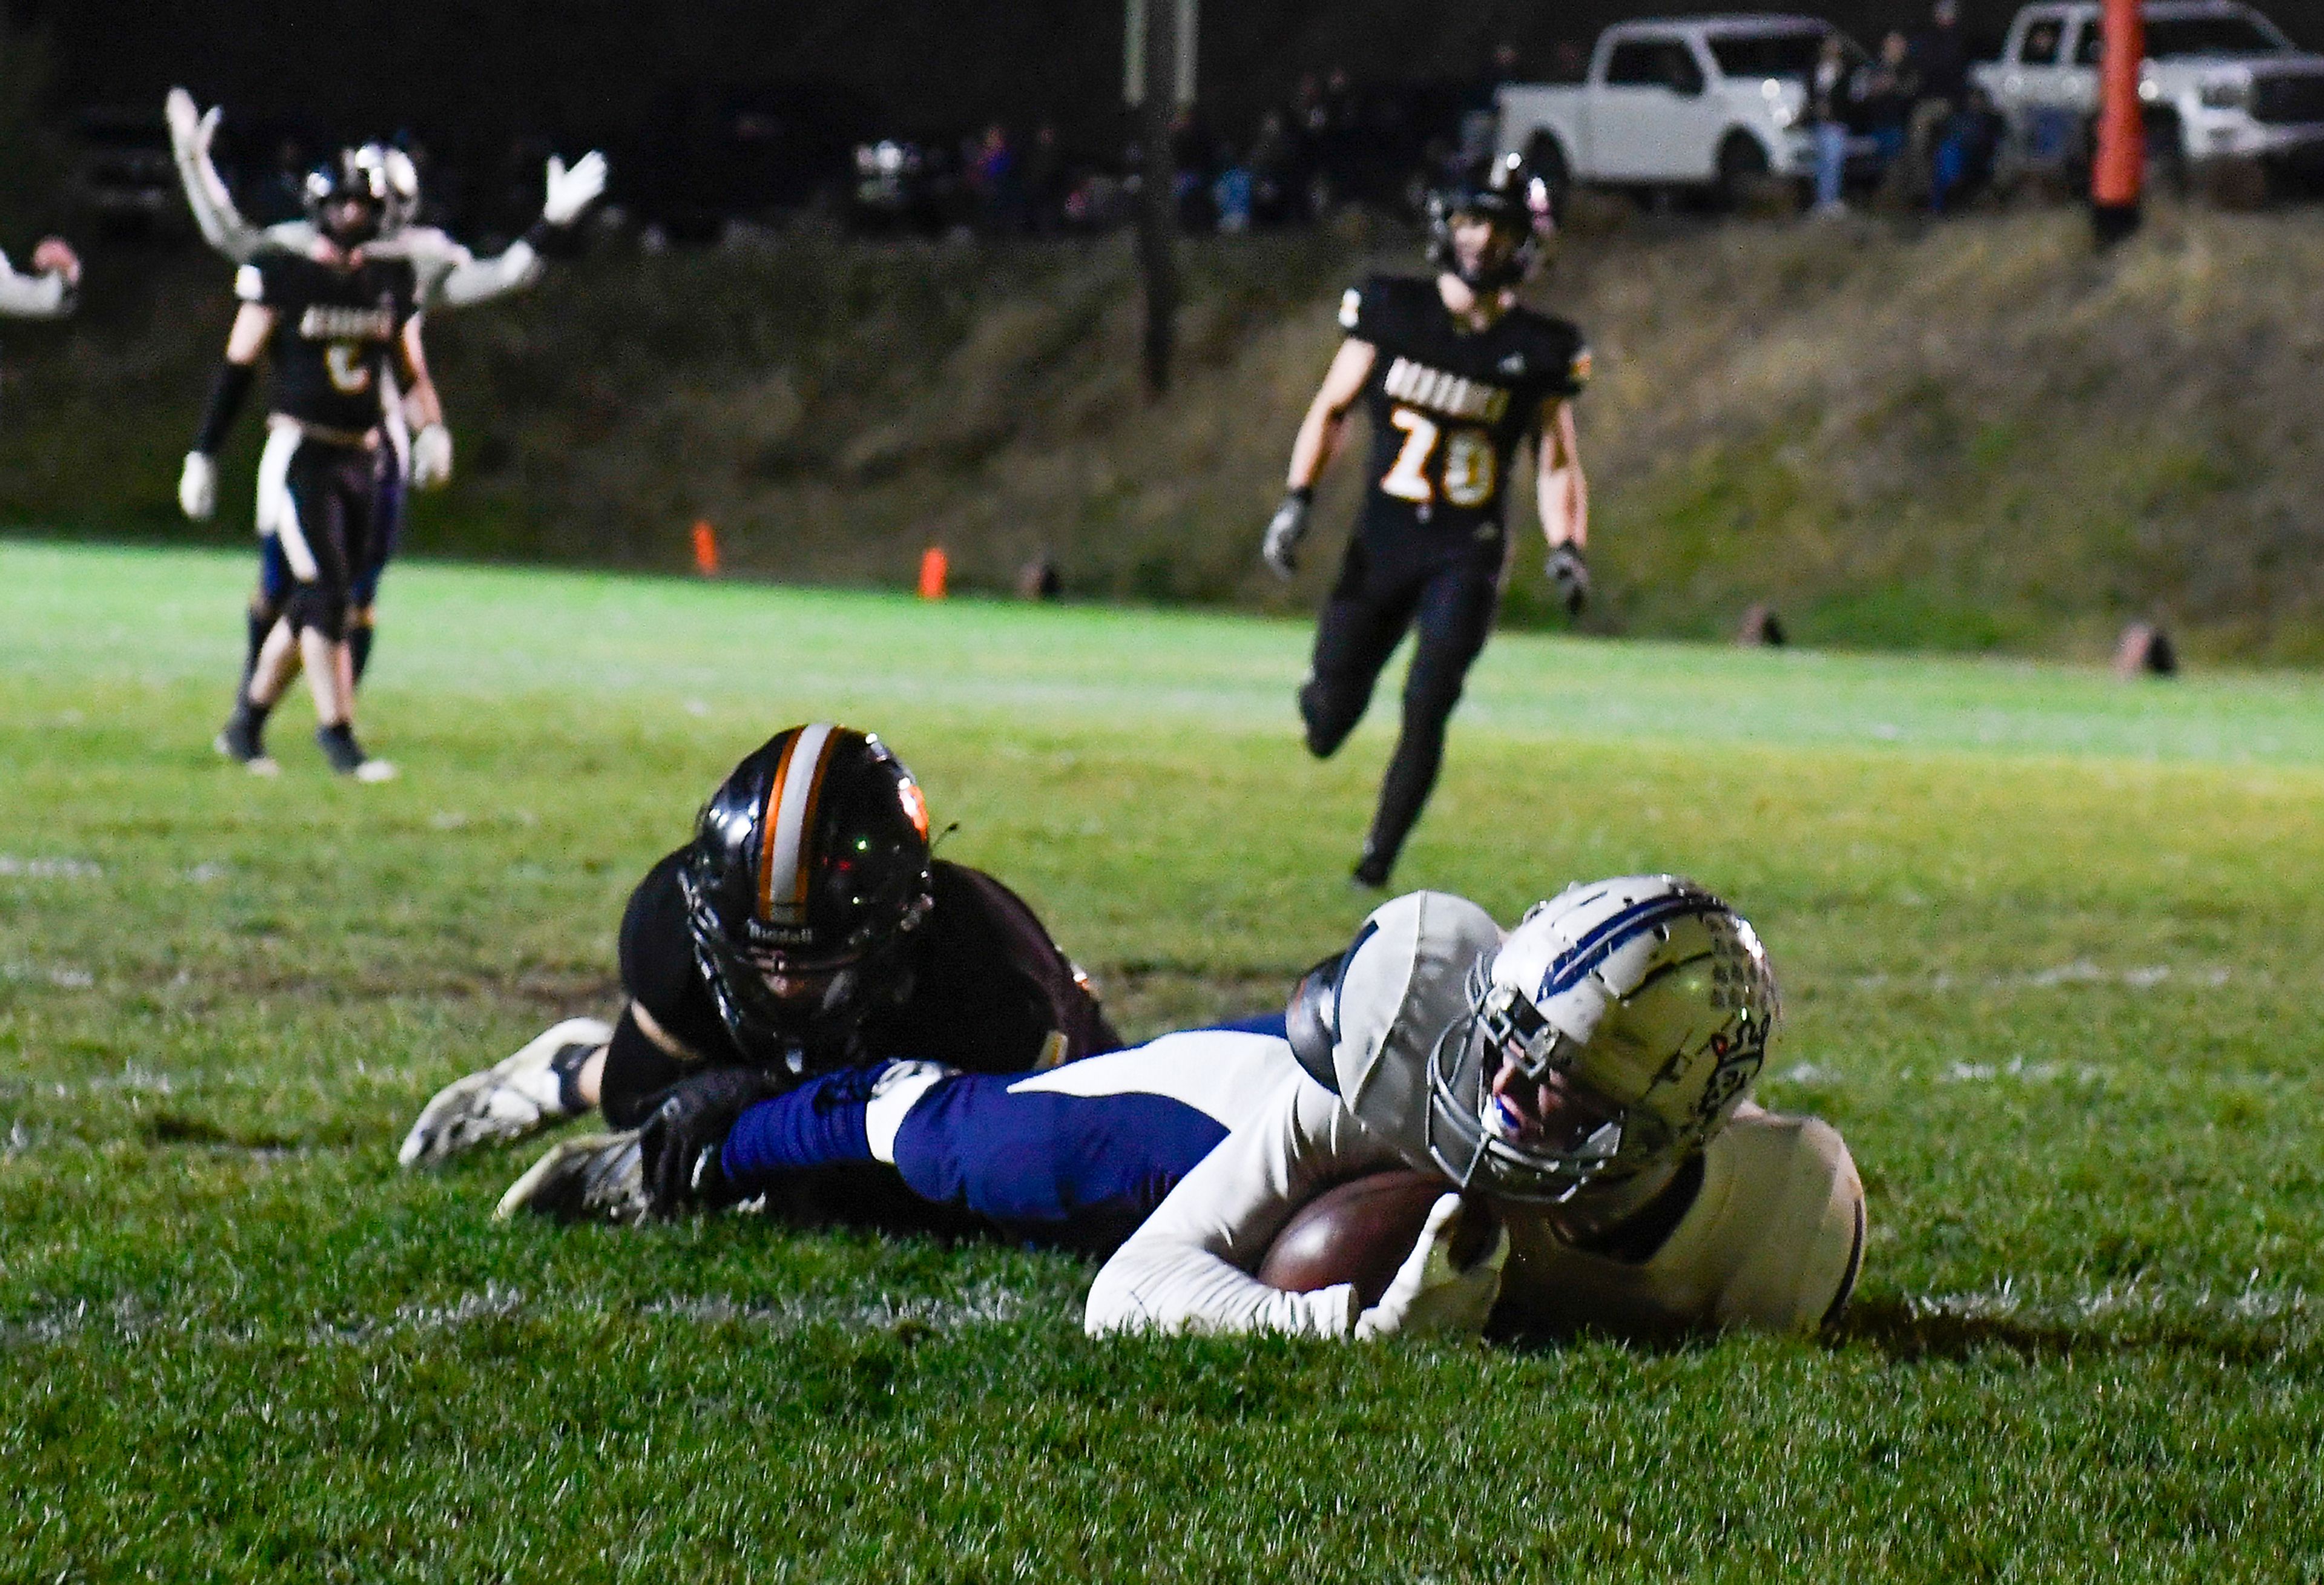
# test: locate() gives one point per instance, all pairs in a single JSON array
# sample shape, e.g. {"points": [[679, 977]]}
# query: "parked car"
{"points": [[2220, 81], [1712, 103]]}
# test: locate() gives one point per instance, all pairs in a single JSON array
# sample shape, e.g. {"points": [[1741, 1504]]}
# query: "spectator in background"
{"points": [[1274, 172], [1964, 160], [1886, 106], [1829, 106], [1230, 196], [1940, 62], [1044, 182], [992, 177], [1568, 62]]}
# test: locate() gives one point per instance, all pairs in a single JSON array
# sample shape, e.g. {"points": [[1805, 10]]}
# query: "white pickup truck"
{"points": [[1710, 102], [2219, 81]]}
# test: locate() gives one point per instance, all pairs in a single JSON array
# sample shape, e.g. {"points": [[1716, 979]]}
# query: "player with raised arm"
{"points": [[50, 292], [448, 275], [332, 322], [1587, 1078], [1452, 372], [805, 930]]}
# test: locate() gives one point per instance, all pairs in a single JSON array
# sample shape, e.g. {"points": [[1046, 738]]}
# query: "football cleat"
{"points": [[242, 741], [347, 757], [597, 1177], [512, 1098]]}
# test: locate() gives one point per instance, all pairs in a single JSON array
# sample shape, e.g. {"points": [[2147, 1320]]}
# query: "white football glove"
{"points": [[572, 191], [1430, 1295], [189, 128], [512, 1098], [1285, 530], [198, 487], [431, 457]]}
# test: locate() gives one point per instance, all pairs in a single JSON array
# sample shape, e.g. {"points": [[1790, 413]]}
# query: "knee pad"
{"points": [[314, 608]]}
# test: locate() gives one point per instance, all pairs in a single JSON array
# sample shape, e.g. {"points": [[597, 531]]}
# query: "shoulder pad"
{"points": [[1370, 310], [1565, 350]]}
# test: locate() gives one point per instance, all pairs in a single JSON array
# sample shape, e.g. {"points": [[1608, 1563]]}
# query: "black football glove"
{"points": [[682, 1138], [1285, 530], [1571, 575]]}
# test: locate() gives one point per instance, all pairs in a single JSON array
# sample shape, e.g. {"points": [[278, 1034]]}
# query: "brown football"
{"points": [[1361, 1231]]}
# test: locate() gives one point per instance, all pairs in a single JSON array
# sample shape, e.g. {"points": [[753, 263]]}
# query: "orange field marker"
{"points": [[935, 571], [705, 548]]}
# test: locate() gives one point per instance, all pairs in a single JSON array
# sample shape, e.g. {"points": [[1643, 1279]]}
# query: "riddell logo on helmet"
{"points": [[764, 934]]}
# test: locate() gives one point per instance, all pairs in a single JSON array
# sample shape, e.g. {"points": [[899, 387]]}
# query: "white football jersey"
{"points": [[1773, 1238]]}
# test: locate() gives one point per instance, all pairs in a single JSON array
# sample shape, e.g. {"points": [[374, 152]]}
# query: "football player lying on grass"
{"points": [[1586, 1079], [1639, 1190], [804, 928]]}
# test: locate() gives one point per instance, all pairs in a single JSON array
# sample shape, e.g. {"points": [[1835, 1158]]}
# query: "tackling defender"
{"points": [[804, 929], [448, 275], [1588, 1075], [332, 321], [1452, 374], [50, 292]]}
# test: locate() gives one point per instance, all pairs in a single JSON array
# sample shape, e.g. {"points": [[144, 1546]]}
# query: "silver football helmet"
{"points": [[1616, 1029], [398, 182]]}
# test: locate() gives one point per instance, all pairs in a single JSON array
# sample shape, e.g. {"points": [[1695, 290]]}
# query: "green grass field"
{"points": [[2051, 946]]}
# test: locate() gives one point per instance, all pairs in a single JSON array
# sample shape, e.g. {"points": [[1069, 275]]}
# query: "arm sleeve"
{"points": [[33, 297], [215, 215], [470, 279], [1188, 1269]]}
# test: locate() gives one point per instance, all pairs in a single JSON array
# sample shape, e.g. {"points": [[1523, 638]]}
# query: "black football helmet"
{"points": [[348, 196], [809, 868], [1515, 201]]}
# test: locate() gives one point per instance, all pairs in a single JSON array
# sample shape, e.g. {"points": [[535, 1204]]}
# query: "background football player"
{"points": [[51, 290], [1588, 1077], [804, 929], [332, 321], [448, 276], [1452, 374]]}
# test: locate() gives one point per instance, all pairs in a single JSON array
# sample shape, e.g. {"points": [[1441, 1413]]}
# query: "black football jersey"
{"points": [[983, 986], [1448, 405], [333, 332]]}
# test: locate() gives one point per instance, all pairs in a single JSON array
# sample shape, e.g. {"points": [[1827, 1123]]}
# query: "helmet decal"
{"points": [[916, 803], [790, 819], [1574, 965]]}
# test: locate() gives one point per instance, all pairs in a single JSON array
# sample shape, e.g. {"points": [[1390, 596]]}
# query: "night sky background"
{"points": [[597, 70]]}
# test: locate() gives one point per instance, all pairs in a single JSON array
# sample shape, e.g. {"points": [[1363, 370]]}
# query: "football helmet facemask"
{"points": [[402, 179], [1614, 1031], [808, 868], [347, 198], [1515, 203]]}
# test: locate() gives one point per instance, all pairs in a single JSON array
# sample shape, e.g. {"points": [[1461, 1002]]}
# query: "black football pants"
{"points": [[325, 526], [1447, 595]]}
